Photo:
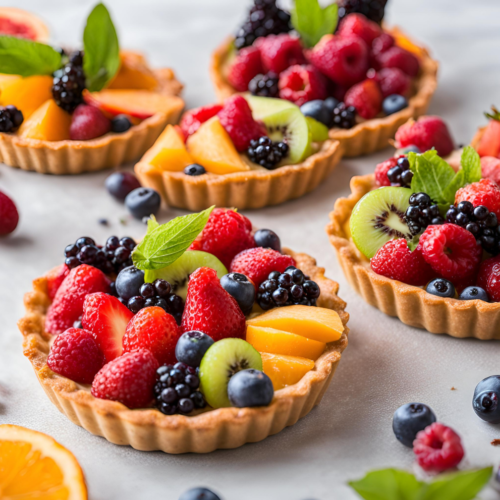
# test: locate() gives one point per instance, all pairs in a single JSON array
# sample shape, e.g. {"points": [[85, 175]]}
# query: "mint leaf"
{"points": [[152, 224], [27, 58], [312, 22], [413, 243], [101, 58], [456, 183], [471, 165], [164, 244]]}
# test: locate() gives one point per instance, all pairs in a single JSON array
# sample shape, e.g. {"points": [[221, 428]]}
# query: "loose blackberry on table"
{"points": [[264, 85], [344, 116], [267, 153], [421, 213], [10, 118], [69, 83]]}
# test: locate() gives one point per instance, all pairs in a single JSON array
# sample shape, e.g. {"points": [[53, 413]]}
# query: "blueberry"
{"points": [[142, 202], [120, 124], [267, 239], [241, 289], [319, 111], [191, 347], [441, 288], [199, 494], [408, 149], [410, 419], [486, 399], [250, 388], [120, 184], [331, 103], [394, 103], [129, 282], [195, 170], [474, 293]]}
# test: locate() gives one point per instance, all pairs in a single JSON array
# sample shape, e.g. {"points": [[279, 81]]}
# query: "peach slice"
{"points": [[133, 73], [266, 339], [316, 323], [212, 147], [285, 370], [47, 123]]}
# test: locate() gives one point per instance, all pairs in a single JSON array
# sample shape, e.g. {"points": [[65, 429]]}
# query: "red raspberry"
{"points": [[154, 329], [191, 120], [395, 261], [366, 98], [451, 251], [490, 168], [128, 379], [393, 81], [9, 216], [344, 60], [396, 57], [279, 52], [381, 171], [488, 277], [245, 66], [210, 309], [55, 277], [226, 234], [382, 43], [358, 25], [88, 122], [301, 84], [438, 448], [485, 192], [426, 133], [236, 117], [257, 263], [76, 355]]}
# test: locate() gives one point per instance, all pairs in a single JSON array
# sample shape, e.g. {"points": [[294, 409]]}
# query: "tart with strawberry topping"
{"points": [[206, 324], [358, 78], [72, 112]]}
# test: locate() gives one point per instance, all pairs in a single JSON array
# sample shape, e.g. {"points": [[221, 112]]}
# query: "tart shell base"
{"points": [[149, 429]]}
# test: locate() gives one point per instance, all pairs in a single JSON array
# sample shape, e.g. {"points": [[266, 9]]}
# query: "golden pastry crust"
{"points": [[411, 304], [209, 430]]}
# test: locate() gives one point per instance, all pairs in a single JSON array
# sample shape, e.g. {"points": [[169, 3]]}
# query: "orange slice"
{"points": [[48, 123], [285, 370]]}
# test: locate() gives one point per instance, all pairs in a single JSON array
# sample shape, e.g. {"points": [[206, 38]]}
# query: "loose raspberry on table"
{"points": [[490, 168], [438, 448], [451, 251], [9, 216], [396, 57], [279, 52], [358, 25], [393, 81], [192, 120], [366, 98], [246, 65], [485, 192], [488, 277], [301, 84], [382, 43]]}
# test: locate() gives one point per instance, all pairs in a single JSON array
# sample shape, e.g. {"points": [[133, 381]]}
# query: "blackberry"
{"points": [[264, 18], [344, 116], [372, 9], [177, 389], [267, 153], [401, 175], [286, 289], [69, 83], [264, 85], [10, 118], [421, 213]]}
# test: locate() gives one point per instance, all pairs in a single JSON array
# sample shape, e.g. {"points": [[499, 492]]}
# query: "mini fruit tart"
{"points": [[358, 78], [205, 335], [427, 252], [250, 152], [72, 112]]}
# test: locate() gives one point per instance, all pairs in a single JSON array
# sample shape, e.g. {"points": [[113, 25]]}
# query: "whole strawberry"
{"points": [[129, 379], [88, 122], [210, 309], [366, 97], [246, 65], [192, 120], [485, 192], [489, 144], [75, 354], [226, 234], [279, 52], [301, 84], [9, 216], [55, 277]]}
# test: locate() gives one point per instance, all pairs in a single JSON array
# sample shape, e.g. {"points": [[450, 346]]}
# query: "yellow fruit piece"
{"points": [[285, 370], [26, 94], [47, 123], [212, 147], [133, 73], [408, 45], [33, 465], [317, 323], [274, 341], [169, 152], [6, 80]]}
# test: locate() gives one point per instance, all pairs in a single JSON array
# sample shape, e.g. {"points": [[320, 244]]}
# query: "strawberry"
{"points": [[393, 81], [128, 379], [107, 318], [490, 168], [279, 52], [88, 122], [366, 97], [382, 43], [154, 329], [210, 309], [489, 145], [191, 120], [245, 66], [358, 25], [67, 306], [54, 279], [485, 192], [9, 216]]}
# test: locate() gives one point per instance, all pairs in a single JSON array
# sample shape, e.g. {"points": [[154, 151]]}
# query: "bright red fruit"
{"points": [[490, 168], [301, 84], [366, 98], [246, 65], [210, 309], [192, 120], [9, 216], [488, 277], [358, 25], [128, 379], [382, 43], [489, 145], [396, 57], [279, 52], [381, 171], [88, 122], [393, 81], [485, 192], [55, 277]]}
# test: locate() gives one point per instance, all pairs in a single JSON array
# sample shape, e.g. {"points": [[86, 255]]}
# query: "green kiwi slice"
{"points": [[265, 106]]}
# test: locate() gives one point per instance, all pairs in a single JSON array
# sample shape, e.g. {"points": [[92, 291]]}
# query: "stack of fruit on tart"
{"points": [[205, 313], [72, 111], [358, 79], [248, 153]]}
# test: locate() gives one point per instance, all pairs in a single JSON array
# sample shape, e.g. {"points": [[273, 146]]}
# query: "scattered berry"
{"points": [[191, 347], [264, 85], [143, 202], [486, 399], [488, 277], [441, 288], [266, 238], [120, 184], [69, 83], [194, 170], [409, 420], [422, 211], [381, 171], [366, 98], [372, 9], [241, 289], [88, 122], [9, 216], [249, 388], [318, 110], [485, 192], [393, 81], [474, 293], [344, 116], [246, 65], [279, 52], [396, 57], [490, 168], [266, 153], [199, 494], [358, 25], [10, 118], [120, 124], [54, 279], [300, 84], [192, 120], [394, 103]]}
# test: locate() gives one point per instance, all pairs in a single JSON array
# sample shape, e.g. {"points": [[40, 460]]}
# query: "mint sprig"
{"points": [[164, 244], [312, 21], [494, 115], [27, 58]]}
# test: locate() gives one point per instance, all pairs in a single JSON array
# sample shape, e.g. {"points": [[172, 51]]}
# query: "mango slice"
{"points": [[285, 370], [133, 73], [169, 152], [48, 123]]}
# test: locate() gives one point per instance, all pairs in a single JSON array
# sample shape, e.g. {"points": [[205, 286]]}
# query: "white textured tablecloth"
{"points": [[386, 364]]}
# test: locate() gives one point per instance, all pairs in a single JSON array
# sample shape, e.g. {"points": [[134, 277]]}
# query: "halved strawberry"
{"points": [[489, 144], [106, 318], [55, 277]]}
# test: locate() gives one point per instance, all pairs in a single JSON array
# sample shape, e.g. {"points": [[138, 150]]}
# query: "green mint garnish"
{"points": [[164, 244], [101, 59], [312, 21], [27, 58], [494, 115]]}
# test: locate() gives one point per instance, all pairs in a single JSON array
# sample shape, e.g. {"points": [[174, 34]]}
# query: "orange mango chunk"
{"points": [[133, 73], [316, 323], [266, 339], [285, 370], [48, 123], [212, 147], [27, 94], [169, 152], [6, 80]]}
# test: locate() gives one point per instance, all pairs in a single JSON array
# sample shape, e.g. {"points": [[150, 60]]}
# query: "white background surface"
{"points": [[386, 364]]}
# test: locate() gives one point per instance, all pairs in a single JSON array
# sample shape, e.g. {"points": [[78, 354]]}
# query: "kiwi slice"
{"points": [[378, 218], [319, 131], [177, 274], [265, 106], [222, 360]]}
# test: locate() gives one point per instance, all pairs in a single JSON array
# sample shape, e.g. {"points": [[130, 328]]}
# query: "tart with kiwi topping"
{"points": [[67, 112], [206, 324]]}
